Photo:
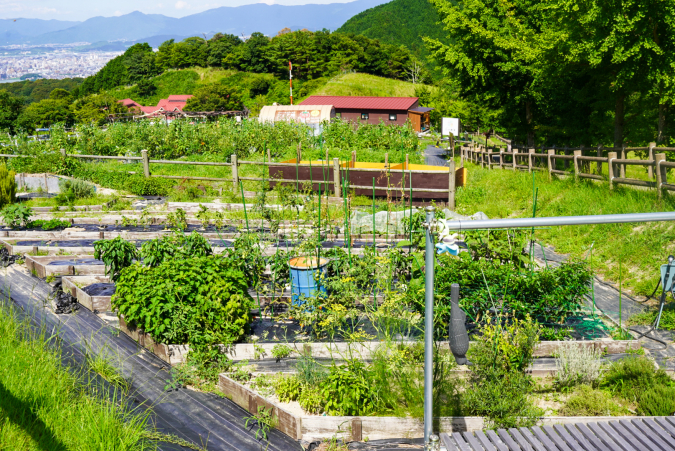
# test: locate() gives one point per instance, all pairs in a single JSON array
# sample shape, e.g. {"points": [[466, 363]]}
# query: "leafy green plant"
{"points": [[7, 186], [577, 364], [71, 190], [288, 388], [310, 400], [348, 390], [204, 216], [202, 300], [16, 215], [264, 420], [632, 376], [281, 351], [142, 186], [50, 224], [499, 387], [177, 220], [240, 372], [658, 400], [116, 254]]}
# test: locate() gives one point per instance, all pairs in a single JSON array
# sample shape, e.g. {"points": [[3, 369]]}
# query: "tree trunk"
{"points": [[662, 122], [530, 128], [619, 117]]}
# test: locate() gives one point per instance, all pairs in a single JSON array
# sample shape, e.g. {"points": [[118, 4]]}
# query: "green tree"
{"points": [[494, 50], [219, 46], [45, 113], [140, 63], [215, 97], [94, 109], [60, 94], [10, 109], [627, 45]]}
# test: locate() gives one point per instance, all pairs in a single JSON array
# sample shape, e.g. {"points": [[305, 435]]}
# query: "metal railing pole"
{"points": [[429, 326]]}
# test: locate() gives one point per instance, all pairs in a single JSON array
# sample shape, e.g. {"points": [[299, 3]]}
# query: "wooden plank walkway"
{"points": [[638, 434]]}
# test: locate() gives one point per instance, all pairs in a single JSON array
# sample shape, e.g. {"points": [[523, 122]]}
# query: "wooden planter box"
{"points": [[71, 284], [320, 427], [39, 265]]}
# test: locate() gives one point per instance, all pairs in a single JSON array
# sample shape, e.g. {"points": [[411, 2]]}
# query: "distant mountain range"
{"points": [[136, 26]]}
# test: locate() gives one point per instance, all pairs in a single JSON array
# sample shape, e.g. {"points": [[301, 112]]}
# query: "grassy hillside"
{"points": [[400, 22], [187, 80], [366, 85]]}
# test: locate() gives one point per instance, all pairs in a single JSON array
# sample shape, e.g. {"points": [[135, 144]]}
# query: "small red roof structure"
{"points": [[130, 103], [173, 103], [363, 102]]}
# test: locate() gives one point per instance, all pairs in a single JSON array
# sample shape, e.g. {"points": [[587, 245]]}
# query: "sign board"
{"points": [[304, 116], [450, 125]]}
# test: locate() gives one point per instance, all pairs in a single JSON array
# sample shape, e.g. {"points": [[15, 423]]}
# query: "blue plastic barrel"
{"points": [[303, 279]]}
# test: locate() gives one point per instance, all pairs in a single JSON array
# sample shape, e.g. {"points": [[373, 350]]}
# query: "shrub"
{"points": [[585, 401], [117, 254], [348, 390], [310, 400], [201, 300], [632, 376], [159, 250], [50, 224], [577, 364], [657, 401], [499, 387], [16, 215], [142, 186], [75, 189], [287, 388], [7, 186]]}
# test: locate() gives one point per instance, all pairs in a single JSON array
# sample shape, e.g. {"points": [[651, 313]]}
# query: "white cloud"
{"points": [[118, 13], [182, 5]]}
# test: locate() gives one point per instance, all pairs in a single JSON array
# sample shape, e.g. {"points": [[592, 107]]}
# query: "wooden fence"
{"points": [[528, 159], [340, 170]]}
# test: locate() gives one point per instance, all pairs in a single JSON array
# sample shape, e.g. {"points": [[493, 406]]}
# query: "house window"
{"points": [[364, 116], [393, 117]]}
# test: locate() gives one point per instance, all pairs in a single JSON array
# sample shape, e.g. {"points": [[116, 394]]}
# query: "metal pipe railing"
{"points": [[559, 221]]}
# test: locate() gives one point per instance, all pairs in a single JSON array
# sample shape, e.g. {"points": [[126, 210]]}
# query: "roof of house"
{"points": [[421, 109], [173, 103], [129, 103], [362, 103]]}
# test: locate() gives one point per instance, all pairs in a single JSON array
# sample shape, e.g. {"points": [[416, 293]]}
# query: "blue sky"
{"points": [[84, 9]]}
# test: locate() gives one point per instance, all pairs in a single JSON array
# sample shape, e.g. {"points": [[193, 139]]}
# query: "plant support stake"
{"points": [[429, 325]]}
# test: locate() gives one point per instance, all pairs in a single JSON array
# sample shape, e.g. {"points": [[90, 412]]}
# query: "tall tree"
{"points": [[628, 44], [494, 51]]}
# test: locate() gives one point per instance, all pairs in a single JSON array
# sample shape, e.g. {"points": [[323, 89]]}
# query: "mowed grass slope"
{"points": [[44, 406], [356, 84], [630, 252]]}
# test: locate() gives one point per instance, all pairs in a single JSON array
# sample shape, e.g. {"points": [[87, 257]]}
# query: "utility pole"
{"points": [[290, 78]]}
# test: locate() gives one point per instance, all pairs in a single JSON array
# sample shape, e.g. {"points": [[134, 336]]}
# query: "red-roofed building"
{"points": [[173, 103], [372, 110]]}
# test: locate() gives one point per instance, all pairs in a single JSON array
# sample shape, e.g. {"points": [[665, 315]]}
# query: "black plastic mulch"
{"points": [[201, 418]]}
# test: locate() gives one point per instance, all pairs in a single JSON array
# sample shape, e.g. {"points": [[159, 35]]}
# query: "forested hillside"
{"points": [[399, 22]]}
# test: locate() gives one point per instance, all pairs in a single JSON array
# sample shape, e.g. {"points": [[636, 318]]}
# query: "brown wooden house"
{"points": [[372, 110]]}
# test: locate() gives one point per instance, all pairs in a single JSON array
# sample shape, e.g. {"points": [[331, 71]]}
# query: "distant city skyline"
{"points": [[80, 10]]}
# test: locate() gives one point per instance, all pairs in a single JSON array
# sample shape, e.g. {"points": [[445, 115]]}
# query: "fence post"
{"points": [[482, 158], [501, 158], [146, 163], [336, 176], [235, 172], [622, 170], [599, 165], [610, 168], [514, 151], [386, 160], [299, 153], [407, 163], [566, 164], [353, 158], [577, 153], [489, 158], [63, 153], [659, 157], [451, 185], [529, 159], [650, 157], [550, 163]]}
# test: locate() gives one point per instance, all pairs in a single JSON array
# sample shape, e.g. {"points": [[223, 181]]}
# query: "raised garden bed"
{"points": [[92, 292], [62, 265], [358, 428]]}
